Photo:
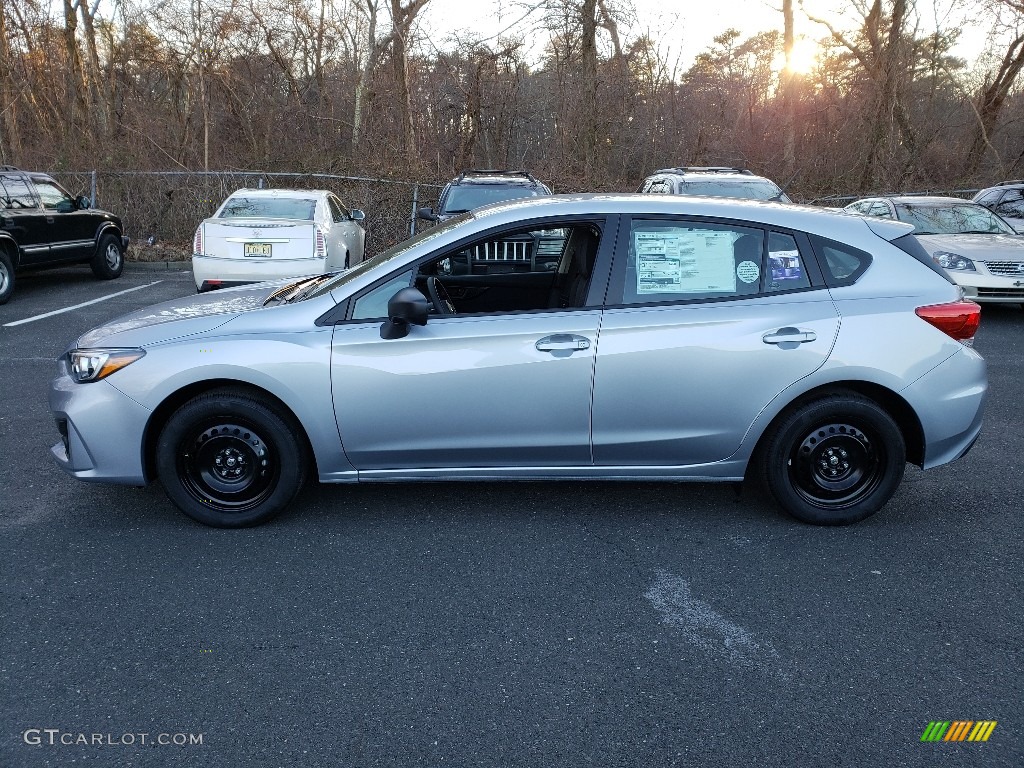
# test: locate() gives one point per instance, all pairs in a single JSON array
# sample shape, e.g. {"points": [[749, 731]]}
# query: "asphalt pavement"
{"points": [[498, 624]]}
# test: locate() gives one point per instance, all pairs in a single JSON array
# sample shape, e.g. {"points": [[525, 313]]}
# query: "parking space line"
{"points": [[79, 306]]}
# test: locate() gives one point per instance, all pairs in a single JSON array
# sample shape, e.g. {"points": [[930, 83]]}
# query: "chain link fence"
{"points": [[165, 207]]}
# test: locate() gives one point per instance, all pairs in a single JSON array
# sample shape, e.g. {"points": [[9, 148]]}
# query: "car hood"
{"points": [[179, 317], [995, 246]]}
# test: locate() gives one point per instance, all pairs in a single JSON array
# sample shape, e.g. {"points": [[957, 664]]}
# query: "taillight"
{"points": [[197, 241], [958, 319], [321, 244]]}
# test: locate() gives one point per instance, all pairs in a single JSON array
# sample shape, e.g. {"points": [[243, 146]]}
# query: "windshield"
{"points": [[300, 208], [951, 219], [391, 253], [467, 198], [747, 190]]}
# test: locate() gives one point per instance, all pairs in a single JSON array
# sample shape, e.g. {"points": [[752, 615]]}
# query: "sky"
{"points": [[684, 28]]}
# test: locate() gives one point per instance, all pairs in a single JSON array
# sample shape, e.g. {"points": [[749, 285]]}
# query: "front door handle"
{"points": [[562, 342], [789, 337]]}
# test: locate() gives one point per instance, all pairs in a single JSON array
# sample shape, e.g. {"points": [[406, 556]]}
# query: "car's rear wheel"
{"points": [[229, 459], [108, 262], [6, 277], [834, 461]]}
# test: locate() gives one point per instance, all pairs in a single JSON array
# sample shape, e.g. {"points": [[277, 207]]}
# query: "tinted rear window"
{"points": [[747, 190], [269, 208]]}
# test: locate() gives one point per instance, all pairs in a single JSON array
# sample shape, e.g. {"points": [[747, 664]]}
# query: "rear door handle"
{"points": [[789, 337], [562, 342]]}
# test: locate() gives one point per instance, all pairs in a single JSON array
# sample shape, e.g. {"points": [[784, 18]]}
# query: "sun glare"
{"points": [[805, 56]]}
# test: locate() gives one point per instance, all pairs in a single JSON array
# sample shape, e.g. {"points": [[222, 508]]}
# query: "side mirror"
{"points": [[356, 215], [407, 307], [83, 203], [426, 213]]}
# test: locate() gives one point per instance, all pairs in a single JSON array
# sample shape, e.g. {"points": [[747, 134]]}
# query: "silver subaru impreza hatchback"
{"points": [[605, 337]]}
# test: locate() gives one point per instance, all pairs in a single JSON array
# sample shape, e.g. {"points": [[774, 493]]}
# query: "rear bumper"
{"points": [[252, 270], [950, 401]]}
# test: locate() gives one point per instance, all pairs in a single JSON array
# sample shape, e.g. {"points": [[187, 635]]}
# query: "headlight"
{"points": [[96, 364], [948, 260]]}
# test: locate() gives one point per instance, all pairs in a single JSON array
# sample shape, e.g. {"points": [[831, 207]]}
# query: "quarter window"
{"points": [[842, 264], [16, 193]]}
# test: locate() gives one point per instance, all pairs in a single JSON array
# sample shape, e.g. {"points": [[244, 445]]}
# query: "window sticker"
{"points": [[748, 271], [785, 265], [684, 261]]}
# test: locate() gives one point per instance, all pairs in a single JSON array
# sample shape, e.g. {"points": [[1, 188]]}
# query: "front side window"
{"points": [[52, 195], [373, 304], [338, 212]]}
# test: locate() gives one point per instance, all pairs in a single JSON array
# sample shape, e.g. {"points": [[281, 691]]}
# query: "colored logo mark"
{"points": [[958, 730]]}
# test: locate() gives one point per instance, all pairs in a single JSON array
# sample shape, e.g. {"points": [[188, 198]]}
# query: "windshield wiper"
{"points": [[285, 292], [300, 294]]}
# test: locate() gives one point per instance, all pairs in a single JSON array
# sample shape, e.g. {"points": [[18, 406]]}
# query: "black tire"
{"points": [[108, 263], [228, 459], [833, 461], [6, 277]]}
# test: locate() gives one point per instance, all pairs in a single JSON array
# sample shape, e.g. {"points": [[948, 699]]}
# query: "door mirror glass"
{"points": [[356, 215]]}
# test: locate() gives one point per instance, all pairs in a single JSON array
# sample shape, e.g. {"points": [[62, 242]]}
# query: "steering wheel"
{"points": [[439, 297]]}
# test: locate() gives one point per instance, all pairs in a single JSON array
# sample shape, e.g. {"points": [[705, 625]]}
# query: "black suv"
{"points": [[42, 225], [472, 189]]}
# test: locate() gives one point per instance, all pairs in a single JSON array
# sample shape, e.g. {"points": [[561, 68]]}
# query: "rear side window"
{"points": [[16, 193], [840, 263]]}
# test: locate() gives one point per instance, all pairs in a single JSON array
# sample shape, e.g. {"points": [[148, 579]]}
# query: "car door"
{"points": [[707, 321], [22, 216], [503, 389], [346, 235], [71, 232]]}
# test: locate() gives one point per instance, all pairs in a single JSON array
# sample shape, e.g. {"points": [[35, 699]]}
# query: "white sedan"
{"points": [[979, 250], [269, 234]]}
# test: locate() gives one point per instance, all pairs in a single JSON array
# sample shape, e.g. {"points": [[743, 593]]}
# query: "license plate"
{"points": [[256, 249]]}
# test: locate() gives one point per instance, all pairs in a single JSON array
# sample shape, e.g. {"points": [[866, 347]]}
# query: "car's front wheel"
{"points": [[833, 461], [108, 262], [230, 459], [6, 277]]}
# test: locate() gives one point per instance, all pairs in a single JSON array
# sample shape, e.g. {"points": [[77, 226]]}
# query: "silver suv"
{"points": [[712, 181]]}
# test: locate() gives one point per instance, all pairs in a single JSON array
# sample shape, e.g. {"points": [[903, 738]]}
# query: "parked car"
{"points": [[269, 234], [712, 181], [42, 225], [1005, 199], [473, 189], [810, 351], [980, 251]]}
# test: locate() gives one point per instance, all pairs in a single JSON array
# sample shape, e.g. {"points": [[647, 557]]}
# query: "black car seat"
{"points": [[573, 276]]}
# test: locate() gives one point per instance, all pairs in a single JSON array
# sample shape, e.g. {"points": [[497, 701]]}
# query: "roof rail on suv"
{"points": [[705, 169], [1008, 183], [496, 172]]}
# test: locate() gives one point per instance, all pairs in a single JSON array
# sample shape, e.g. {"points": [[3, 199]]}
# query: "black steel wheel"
{"points": [[834, 461], [6, 277], [108, 262], [229, 460]]}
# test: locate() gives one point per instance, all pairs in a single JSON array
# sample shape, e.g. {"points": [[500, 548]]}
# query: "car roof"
{"points": [[788, 215], [491, 176], [709, 172], [280, 192], [919, 200]]}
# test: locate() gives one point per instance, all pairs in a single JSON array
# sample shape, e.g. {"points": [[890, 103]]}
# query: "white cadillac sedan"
{"points": [[979, 250], [269, 234]]}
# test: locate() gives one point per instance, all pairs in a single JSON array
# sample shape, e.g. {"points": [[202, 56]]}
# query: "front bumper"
{"points": [[208, 269], [988, 288], [101, 431]]}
